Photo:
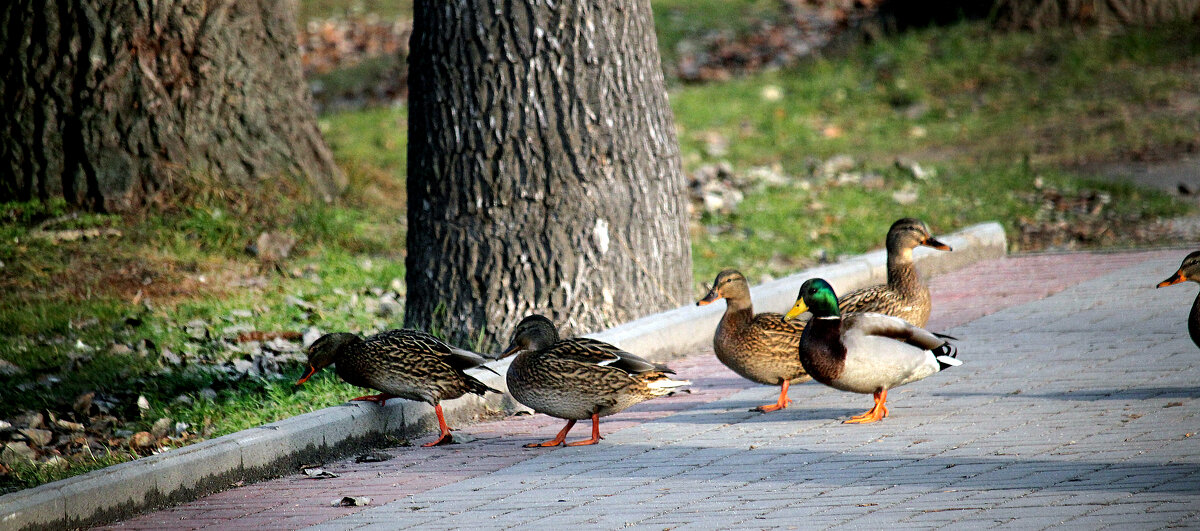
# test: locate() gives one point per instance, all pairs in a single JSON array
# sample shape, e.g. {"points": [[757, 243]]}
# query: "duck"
{"points": [[758, 347], [578, 378], [866, 353], [1189, 270], [905, 295], [402, 363]]}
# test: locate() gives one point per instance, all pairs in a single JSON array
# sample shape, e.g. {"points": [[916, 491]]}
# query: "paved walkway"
{"points": [[1075, 407]]}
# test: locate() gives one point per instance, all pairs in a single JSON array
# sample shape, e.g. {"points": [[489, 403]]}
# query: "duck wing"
{"points": [[596, 352], [773, 325], [427, 344], [879, 325]]}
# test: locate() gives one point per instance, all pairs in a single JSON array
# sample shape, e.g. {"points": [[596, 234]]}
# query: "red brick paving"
{"points": [[295, 501]]}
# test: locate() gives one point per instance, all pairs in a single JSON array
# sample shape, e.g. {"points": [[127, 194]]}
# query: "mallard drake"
{"points": [[865, 352], [904, 295], [760, 348], [407, 364], [578, 378], [1189, 270]]}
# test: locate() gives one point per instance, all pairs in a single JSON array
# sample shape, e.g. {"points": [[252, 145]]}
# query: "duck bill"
{"points": [[311, 371], [512, 349], [933, 242], [796, 310], [1175, 279], [712, 297]]}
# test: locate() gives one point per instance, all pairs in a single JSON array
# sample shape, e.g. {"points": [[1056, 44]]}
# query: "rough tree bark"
{"points": [[543, 168], [112, 104]]}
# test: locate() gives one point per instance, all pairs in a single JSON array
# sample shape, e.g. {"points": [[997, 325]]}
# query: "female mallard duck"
{"points": [[904, 295], [406, 364], [760, 348], [865, 352], [578, 378], [1189, 270]]}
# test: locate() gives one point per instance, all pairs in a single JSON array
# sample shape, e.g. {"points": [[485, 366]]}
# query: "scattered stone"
{"points": [[373, 457], [181, 428], [271, 247], [183, 400], [143, 404], [389, 306], [297, 301], [56, 462], [120, 349], [197, 329], [5, 426], [906, 196], [836, 165], [171, 358], [161, 428], [208, 393], [244, 314], [17, 452], [915, 170], [311, 335], [37, 437], [8, 368]]}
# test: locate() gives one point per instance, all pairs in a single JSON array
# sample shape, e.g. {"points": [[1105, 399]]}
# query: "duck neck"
{"points": [[1194, 321], [738, 311], [902, 273]]}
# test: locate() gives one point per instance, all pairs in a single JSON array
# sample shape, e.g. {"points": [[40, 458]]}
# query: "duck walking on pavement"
{"points": [[905, 295], [407, 364], [865, 353], [760, 348], [1189, 270], [578, 378]]}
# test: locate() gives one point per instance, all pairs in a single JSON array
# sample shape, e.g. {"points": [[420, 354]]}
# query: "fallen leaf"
{"points": [[316, 472], [1173, 404], [351, 501]]}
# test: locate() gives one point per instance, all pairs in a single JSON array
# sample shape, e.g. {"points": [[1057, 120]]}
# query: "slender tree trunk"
{"points": [[115, 103], [543, 169]]}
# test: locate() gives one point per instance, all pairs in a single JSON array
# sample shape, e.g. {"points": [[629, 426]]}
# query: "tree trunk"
{"points": [[112, 104], [543, 169]]}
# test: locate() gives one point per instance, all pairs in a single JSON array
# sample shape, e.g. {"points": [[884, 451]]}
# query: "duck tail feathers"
{"points": [[946, 356]]}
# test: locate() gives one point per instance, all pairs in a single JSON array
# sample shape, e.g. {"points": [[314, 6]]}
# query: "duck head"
{"points": [[816, 296], [907, 233], [1188, 270], [325, 351], [730, 285], [532, 333]]}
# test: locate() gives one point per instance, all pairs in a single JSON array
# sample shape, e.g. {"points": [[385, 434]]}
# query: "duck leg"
{"points": [[595, 433], [558, 439], [878, 412], [445, 438], [783, 402], [380, 398]]}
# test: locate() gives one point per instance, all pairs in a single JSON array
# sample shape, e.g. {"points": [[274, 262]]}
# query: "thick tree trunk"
{"points": [[543, 169], [115, 103], [1037, 14]]}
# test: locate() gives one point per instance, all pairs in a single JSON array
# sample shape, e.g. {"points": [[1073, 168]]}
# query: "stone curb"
{"points": [[188, 473]]}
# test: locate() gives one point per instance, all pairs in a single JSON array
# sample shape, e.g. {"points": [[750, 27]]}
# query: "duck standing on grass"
{"points": [[865, 352], [1189, 270], [406, 364], [905, 295], [578, 378], [760, 348]]}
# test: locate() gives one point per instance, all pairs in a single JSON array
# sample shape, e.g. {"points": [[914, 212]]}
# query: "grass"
{"points": [[992, 113]]}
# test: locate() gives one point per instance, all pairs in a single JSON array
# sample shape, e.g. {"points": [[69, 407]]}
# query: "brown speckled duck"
{"points": [[1189, 270], [578, 378], [904, 295], [865, 352], [760, 348], [406, 364]]}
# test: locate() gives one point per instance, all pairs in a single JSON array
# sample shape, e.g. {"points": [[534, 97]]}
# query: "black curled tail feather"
{"points": [[946, 356], [478, 387]]}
